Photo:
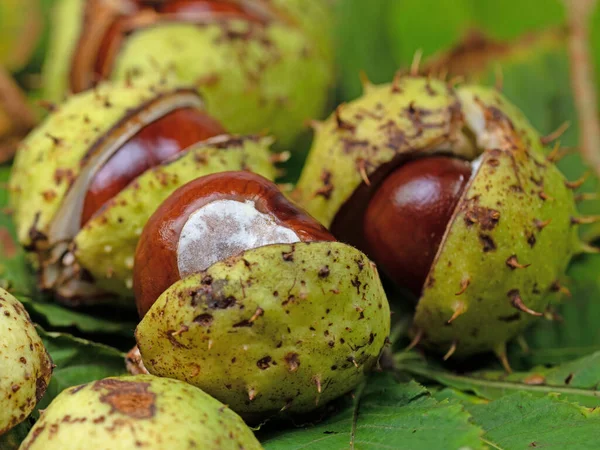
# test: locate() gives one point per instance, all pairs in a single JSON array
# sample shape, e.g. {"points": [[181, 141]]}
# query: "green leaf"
{"points": [[13, 438], [522, 421], [576, 381], [14, 270], [386, 414], [578, 334], [456, 396], [509, 19], [16, 275], [78, 361], [362, 45], [58, 316], [428, 25]]}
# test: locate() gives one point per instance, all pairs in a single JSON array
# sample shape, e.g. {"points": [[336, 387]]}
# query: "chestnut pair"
{"points": [[221, 215]]}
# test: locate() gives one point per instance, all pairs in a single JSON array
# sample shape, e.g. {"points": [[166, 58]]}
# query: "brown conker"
{"points": [[210, 219], [408, 214], [153, 144]]}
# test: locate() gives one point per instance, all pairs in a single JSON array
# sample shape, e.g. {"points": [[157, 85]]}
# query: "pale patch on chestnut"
{"points": [[224, 228]]}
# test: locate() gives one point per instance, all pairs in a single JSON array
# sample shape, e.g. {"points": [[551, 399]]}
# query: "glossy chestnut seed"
{"points": [[153, 144], [210, 219], [216, 7], [408, 215]]}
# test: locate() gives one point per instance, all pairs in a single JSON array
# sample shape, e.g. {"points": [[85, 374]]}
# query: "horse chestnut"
{"points": [[251, 60], [153, 144], [26, 365], [143, 412], [86, 180], [89, 70], [209, 220], [246, 296], [450, 191]]}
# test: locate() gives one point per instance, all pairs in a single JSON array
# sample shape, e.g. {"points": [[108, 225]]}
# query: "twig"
{"points": [[582, 79]]}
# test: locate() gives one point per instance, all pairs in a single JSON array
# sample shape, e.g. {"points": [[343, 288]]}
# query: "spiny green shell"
{"points": [[106, 244], [277, 327], [516, 210], [50, 158], [314, 17], [55, 159], [142, 412], [253, 78], [372, 131], [25, 366]]}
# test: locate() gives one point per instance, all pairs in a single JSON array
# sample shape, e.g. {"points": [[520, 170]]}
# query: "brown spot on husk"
{"points": [[130, 398], [487, 243], [486, 218], [293, 361]]}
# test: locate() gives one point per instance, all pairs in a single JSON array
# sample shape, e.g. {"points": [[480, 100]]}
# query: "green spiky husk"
{"points": [[254, 78], [138, 412], [516, 210], [26, 365], [54, 161], [49, 159], [288, 326], [105, 246]]}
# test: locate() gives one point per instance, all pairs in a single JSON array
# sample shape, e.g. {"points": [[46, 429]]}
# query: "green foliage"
{"points": [[575, 381], [554, 342], [387, 414], [57, 316], [522, 421], [78, 361], [14, 272], [358, 32]]}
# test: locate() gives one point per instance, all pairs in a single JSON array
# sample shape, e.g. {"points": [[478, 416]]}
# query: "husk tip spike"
{"points": [[459, 310], [517, 302], [585, 220], [576, 184], [586, 248], [415, 341], [416, 62], [500, 351], [364, 80], [450, 351], [545, 140]]}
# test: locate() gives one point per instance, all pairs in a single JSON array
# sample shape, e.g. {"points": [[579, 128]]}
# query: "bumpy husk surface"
{"points": [[254, 77], [25, 366], [141, 411], [65, 148], [49, 160], [106, 244], [280, 327], [512, 234]]}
